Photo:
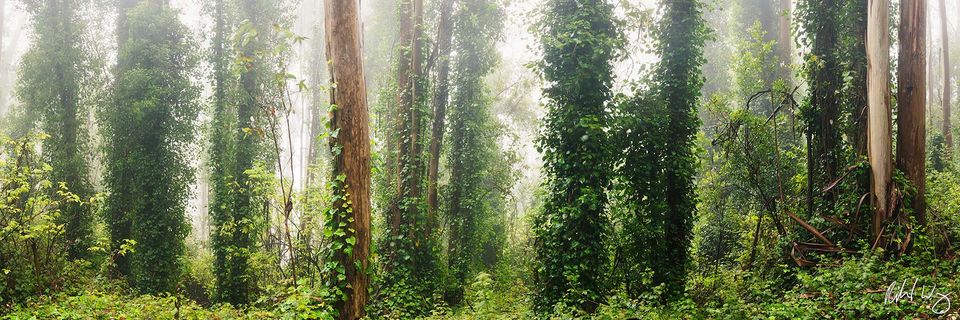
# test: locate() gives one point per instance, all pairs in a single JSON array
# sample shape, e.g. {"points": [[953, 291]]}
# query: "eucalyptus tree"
{"points": [[473, 134], [149, 128], [946, 95], [243, 73], [911, 102], [821, 113], [439, 102], [880, 139], [681, 36], [51, 87], [348, 219], [408, 249], [579, 40]]}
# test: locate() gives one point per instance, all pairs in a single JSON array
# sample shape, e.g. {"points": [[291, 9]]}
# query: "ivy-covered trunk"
{"points": [[579, 41], [349, 216]]}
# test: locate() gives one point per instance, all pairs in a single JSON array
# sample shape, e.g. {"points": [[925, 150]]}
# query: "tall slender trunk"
{"points": [[122, 8], [947, 131], [440, 97], [856, 99], [784, 41], [317, 102], [409, 77], [911, 100], [120, 230], [880, 144], [3, 70], [353, 161]]}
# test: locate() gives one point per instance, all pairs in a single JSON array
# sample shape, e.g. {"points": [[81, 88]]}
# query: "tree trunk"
{"points": [[440, 97], [911, 100], [123, 7], [880, 144], [3, 71], [353, 161], [315, 154], [408, 119], [784, 40], [947, 132]]}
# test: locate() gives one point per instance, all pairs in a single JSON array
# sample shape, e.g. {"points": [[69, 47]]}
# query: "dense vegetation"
{"points": [[478, 159]]}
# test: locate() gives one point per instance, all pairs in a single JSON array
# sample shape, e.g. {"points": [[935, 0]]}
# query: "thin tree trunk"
{"points": [[947, 132], [880, 144], [408, 116], [124, 6], [784, 40], [353, 161], [445, 35], [3, 71], [911, 100]]}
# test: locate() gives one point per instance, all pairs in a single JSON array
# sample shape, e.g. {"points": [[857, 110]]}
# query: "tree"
{"points": [[681, 38], [880, 143], [439, 102], [239, 207], [473, 136], [851, 52], [3, 5], [149, 130], [51, 85], [911, 101], [946, 100], [350, 212], [579, 40], [784, 38], [117, 220], [821, 115], [408, 249]]}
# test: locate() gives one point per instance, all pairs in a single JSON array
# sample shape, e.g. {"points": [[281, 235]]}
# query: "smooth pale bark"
{"points": [[879, 138], [947, 131], [344, 52], [440, 97], [911, 100]]}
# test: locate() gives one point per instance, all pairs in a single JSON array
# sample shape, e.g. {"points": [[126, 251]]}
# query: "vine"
{"points": [[579, 40]]}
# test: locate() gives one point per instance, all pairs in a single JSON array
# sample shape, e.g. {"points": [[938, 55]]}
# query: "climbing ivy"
{"points": [[52, 88], [579, 39], [244, 75], [656, 130], [149, 130], [473, 133]]}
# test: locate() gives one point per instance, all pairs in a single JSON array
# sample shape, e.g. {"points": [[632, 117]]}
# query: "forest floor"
{"points": [[854, 288]]}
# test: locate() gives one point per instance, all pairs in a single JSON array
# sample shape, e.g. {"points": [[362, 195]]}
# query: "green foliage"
{"points": [[149, 129], [943, 199], [579, 42], [655, 175], [835, 70], [340, 241], [409, 249], [52, 89], [475, 182], [245, 54], [33, 244]]}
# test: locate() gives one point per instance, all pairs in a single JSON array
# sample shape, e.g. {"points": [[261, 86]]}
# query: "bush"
{"points": [[32, 246]]}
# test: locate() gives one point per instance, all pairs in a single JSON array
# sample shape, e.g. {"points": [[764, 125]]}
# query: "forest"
{"points": [[479, 159]]}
